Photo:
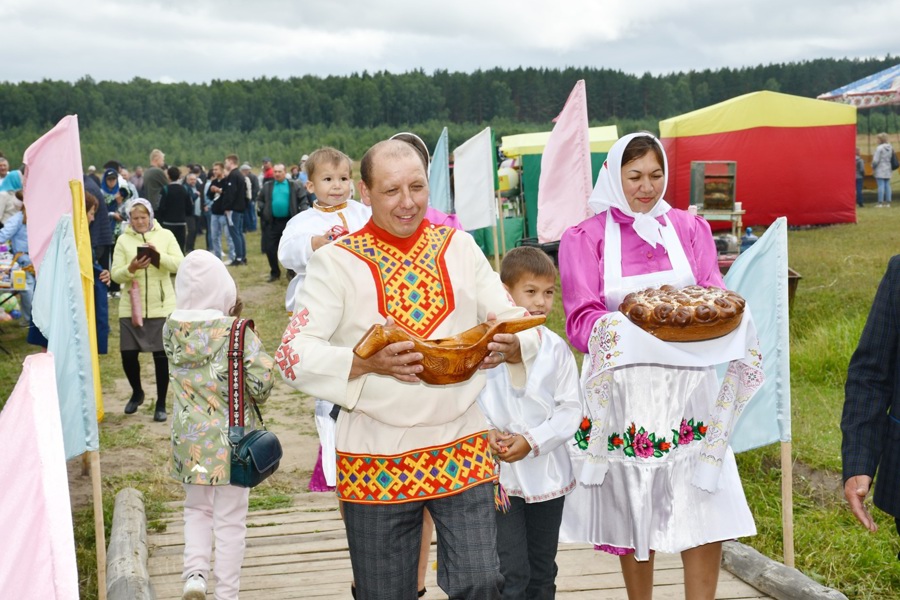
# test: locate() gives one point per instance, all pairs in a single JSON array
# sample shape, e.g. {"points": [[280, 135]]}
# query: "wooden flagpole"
{"points": [[496, 249], [787, 503], [79, 220], [502, 226], [494, 232], [99, 530]]}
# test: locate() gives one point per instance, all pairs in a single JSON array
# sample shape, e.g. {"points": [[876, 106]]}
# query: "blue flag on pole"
{"points": [[60, 314], [760, 275], [439, 175]]}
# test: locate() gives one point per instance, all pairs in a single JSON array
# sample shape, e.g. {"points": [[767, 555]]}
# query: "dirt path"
{"points": [[134, 450]]}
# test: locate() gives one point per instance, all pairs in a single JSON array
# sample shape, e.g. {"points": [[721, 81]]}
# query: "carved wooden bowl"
{"points": [[448, 360]]}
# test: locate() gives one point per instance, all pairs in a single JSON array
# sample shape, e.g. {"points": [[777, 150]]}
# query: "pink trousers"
{"points": [[220, 512]]}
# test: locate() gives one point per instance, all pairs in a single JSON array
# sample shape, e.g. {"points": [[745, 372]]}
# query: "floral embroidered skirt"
{"points": [[648, 439]]}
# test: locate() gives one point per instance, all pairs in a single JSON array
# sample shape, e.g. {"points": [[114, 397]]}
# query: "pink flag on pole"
{"points": [[38, 560], [50, 164], [565, 183]]}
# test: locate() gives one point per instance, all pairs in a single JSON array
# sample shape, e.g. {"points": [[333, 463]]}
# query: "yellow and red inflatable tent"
{"points": [[795, 156]]}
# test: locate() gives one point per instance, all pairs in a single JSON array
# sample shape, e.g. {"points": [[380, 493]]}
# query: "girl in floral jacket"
{"points": [[195, 338]]}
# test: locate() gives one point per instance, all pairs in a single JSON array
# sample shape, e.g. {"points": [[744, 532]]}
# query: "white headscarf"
{"points": [[203, 282], [140, 202], [608, 192]]}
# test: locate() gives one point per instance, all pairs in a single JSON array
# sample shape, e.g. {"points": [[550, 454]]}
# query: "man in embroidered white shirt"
{"points": [[403, 445]]}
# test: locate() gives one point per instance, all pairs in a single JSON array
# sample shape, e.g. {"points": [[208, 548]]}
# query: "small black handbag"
{"points": [[256, 455]]}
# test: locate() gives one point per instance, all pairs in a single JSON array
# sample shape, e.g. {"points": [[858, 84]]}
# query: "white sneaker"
{"points": [[194, 588], [228, 262]]}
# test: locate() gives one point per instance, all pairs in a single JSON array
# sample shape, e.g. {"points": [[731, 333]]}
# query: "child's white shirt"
{"points": [[295, 248], [547, 412]]}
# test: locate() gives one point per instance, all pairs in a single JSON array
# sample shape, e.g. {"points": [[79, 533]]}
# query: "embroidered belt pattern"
{"points": [[418, 475], [640, 443], [413, 287]]}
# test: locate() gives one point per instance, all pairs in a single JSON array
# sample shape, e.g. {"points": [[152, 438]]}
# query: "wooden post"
{"points": [[787, 503], [496, 249], [99, 530], [494, 232], [869, 130], [502, 226]]}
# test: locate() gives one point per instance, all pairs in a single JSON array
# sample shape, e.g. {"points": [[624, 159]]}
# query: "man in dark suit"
{"points": [[279, 199], [871, 418]]}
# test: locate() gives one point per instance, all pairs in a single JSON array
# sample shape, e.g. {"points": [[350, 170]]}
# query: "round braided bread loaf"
{"points": [[691, 314]]}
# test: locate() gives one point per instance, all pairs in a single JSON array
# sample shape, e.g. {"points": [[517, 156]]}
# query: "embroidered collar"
{"points": [[329, 209], [412, 283], [402, 244]]}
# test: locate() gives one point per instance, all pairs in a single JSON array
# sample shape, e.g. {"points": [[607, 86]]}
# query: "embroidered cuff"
{"points": [[535, 448]]}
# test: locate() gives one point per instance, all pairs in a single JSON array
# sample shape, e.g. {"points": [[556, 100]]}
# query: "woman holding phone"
{"points": [[145, 258]]}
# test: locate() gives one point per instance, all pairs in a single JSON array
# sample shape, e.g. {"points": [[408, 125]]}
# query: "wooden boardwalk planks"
{"points": [[301, 552]]}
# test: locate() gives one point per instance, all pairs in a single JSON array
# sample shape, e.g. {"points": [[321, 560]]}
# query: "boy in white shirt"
{"points": [[530, 430]]}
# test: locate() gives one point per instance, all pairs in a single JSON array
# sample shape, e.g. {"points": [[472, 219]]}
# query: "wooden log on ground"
{"points": [[127, 577], [773, 578]]}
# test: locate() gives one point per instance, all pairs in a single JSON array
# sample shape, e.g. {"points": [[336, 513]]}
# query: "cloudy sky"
{"points": [[201, 40]]}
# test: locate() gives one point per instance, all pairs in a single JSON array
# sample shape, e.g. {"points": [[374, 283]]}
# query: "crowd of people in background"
{"points": [[167, 207], [219, 203]]}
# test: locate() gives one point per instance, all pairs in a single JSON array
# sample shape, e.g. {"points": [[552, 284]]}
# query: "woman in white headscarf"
{"points": [[155, 297], [642, 487]]}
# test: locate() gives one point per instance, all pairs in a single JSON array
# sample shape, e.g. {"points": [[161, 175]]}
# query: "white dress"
{"points": [[658, 473]]}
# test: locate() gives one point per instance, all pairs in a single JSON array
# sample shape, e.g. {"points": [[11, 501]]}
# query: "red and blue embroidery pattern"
{"points": [[413, 287], [418, 475]]}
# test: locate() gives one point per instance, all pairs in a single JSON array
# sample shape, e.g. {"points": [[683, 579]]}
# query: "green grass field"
{"points": [[840, 268]]}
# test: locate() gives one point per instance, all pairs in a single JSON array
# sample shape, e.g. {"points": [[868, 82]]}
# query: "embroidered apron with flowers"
{"points": [[651, 416]]}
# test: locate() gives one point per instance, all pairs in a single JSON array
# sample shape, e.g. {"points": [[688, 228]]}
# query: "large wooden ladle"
{"points": [[448, 360]]}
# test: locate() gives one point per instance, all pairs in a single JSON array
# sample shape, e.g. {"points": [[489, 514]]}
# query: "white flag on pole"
{"points": [[473, 181]]}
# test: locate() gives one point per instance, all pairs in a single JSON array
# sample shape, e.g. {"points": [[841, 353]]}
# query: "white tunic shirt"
{"points": [[435, 284], [546, 412], [295, 248]]}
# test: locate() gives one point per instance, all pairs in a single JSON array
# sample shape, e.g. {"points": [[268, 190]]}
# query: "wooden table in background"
{"points": [[735, 216]]}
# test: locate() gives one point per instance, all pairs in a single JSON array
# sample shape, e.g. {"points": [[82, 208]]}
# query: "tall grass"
{"points": [[841, 267]]}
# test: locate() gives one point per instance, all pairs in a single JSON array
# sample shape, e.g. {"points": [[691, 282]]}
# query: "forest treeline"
{"points": [[287, 117]]}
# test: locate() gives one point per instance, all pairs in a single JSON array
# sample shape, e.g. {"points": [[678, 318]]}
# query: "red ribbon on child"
{"points": [[337, 231]]}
